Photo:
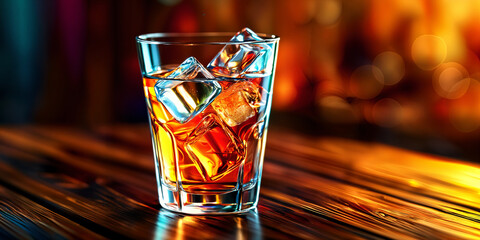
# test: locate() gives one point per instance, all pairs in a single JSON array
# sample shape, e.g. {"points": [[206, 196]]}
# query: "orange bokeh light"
{"points": [[451, 80], [429, 51], [366, 82]]}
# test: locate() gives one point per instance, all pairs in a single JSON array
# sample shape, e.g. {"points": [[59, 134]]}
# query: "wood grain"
{"points": [[87, 184], [22, 218]]}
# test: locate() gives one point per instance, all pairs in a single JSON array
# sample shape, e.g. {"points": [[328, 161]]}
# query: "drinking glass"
{"points": [[209, 101]]}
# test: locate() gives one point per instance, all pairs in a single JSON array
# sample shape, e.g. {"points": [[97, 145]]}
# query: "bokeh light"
{"points": [[387, 112], [328, 11], [428, 51], [366, 82], [300, 12], [450, 80], [339, 62], [462, 120], [285, 89], [335, 109], [392, 66], [464, 112], [290, 78]]}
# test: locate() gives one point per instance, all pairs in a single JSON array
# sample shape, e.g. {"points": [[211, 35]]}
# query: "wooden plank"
{"points": [[311, 188], [375, 212], [135, 154], [55, 178], [112, 214], [419, 178], [21, 218], [55, 150]]}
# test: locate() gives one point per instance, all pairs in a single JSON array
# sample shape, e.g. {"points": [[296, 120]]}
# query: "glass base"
{"points": [[236, 201]]}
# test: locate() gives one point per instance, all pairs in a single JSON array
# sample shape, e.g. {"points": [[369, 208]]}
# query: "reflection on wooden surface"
{"points": [[67, 183]]}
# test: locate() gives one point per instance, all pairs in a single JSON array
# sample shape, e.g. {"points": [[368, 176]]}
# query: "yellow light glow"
{"points": [[285, 90], [187, 97], [392, 66], [328, 11], [413, 183], [428, 51], [335, 109]]}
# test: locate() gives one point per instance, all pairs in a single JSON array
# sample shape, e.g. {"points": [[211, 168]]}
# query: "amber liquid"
{"points": [[211, 153]]}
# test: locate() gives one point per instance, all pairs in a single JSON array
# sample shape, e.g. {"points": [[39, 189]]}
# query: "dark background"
{"points": [[403, 72]]}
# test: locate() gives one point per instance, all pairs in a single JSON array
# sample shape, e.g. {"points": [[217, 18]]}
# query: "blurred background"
{"points": [[402, 72]]}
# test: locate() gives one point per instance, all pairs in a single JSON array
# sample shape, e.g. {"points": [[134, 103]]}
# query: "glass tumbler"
{"points": [[208, 97]]}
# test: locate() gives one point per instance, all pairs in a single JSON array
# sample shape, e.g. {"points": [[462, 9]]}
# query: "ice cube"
{"points": [[189, 69], [245, 35], [214, 148], [238, 103], [243, 59], [186, 98]]}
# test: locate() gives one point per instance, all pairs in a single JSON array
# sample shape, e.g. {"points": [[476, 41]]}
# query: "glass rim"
{"points": [[144, 38]]}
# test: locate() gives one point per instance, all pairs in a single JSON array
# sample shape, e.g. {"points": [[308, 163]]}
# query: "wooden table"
{"points": [[61, 182]]}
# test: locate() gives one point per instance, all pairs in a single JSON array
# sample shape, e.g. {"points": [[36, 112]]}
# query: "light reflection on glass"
{"points": [[176, 226]]}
